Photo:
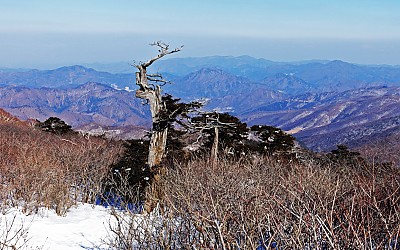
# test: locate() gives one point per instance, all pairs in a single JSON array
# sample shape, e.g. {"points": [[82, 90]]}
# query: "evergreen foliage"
{"points": [[232, 133], [176, 116], [176, 111], [342, 156], [272, 139], [175, 147], [55, 125], [130, 173]]}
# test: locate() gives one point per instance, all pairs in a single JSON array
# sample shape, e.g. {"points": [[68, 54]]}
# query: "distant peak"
{"points": [[338, 62], [245, 57], [75, 68]]}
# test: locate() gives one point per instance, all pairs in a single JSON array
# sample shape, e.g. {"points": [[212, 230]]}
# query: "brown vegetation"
{"points": [[383, 151], [39, 169], [337, 201], [262, 203]]}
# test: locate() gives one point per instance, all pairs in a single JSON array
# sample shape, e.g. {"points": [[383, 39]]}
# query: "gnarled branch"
{"points": [[163, 51]]}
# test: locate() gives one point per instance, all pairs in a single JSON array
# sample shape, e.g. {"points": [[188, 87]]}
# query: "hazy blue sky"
{"points": [[44, 33]]}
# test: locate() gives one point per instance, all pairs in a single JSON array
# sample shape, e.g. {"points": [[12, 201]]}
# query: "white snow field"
{"points": [[83, 227]]}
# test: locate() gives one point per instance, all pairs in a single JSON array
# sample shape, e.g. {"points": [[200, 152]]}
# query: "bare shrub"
{"points": [[13, 235], [384, 151], [41, 169], [262, 203]]}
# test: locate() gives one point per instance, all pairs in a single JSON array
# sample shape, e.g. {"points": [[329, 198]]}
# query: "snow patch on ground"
{"points": [[84, 227]]}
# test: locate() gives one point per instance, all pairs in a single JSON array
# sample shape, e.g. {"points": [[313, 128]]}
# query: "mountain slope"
{"points": [[88, 103], [225, 91], [354, 136], [288, 84], [324, 120], [208, 83], [314, 99]]}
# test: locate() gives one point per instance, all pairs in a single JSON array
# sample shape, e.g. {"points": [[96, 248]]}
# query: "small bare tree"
{"points": [[210, 121], [150, 90]]}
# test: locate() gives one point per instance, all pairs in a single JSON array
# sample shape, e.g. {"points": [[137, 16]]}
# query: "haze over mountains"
{"points": [[334, 101]]}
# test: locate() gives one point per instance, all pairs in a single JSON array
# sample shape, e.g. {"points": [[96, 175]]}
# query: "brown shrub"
{"points": [[383, 151], [42, 169], [259, 203]]}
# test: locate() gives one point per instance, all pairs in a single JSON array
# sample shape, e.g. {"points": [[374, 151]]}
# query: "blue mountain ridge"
{"points": [[310, 98]]}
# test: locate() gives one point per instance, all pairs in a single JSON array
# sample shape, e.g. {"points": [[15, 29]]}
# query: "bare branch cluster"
{"points": [[39, 169], [211, 120], [163, 50], [11, 236], [157, 78], [267, 203]]}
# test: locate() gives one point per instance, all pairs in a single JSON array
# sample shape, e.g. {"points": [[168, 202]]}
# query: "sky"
{"points": [[44, 33]]}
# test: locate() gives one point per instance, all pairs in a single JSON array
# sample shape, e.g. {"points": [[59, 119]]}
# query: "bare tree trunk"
{"points": [[152, 93], [157, 145], [158, 135], [214, 148]]}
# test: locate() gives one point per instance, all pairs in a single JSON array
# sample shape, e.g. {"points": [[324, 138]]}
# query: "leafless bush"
{"points": [[384, 151], [39, 169], [13, 235], [262, 203]]}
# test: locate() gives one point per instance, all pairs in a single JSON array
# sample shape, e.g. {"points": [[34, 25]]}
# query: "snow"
{"points": [[84, 227], [115, 86], [128, 89]]}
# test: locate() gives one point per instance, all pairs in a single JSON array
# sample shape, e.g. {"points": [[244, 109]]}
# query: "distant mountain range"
{"points": [[63, 77], [87, 103], [322, 75], [323, 103]]}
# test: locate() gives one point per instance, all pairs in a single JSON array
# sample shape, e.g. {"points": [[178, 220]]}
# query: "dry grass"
{"points": [[39, 169]]}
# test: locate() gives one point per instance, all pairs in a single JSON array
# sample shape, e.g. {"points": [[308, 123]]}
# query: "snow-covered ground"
{"points": [[84, 227]]}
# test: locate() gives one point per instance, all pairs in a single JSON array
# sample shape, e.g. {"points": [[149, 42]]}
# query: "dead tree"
{"points": [[210, 121], [150, 90]]}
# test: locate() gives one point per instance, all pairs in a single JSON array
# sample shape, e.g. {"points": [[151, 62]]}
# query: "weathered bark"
{"points": [[152, 93], [158, 138], [214, 148], [158, 143]]}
